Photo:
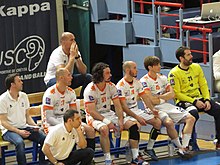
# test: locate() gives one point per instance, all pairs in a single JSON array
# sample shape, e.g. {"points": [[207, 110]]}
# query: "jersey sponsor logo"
{"points": [[172, 82], [19, 11], [144, 84], [119, 92], [48, 100], [91, 98]]}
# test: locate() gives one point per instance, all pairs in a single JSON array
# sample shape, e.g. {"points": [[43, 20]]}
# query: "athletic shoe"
{"points": [[151, 153], [185, 154], [139, 161]]}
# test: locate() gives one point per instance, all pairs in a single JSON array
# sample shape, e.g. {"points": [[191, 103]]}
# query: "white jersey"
{"points": [[130, 91], [157, 86], [61, 141], [101, 98], [58, 57], [58, 102], [14, 109]]}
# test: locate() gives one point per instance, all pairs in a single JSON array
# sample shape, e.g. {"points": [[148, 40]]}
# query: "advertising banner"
{"points": [[28, 34]]}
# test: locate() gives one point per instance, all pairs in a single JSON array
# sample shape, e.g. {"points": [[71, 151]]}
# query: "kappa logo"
{"points": [[19, 11], [30, 49]]}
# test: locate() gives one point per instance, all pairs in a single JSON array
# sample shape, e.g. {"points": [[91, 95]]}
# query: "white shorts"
{"points": [[172, 111], [97, 124], [146, 114]]}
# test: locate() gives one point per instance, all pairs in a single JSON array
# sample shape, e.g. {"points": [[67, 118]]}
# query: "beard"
{"points": [[132, 74], [187, 62]]}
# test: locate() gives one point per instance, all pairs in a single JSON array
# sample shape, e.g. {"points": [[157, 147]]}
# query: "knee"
{"points": [[168, 123], [157, 124], [190, 119], [88, 77], [90, 132], [195, 114], [90, 152], [134, 133], [104, 131]]}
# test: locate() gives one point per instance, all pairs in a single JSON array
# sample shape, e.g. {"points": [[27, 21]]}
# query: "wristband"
{"points": [[106, 121], [77, 57], [162, 101]]}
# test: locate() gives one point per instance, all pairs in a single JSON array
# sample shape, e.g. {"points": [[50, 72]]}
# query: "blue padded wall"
{"points": [[114, 32], [98, 10], [137, 53]]}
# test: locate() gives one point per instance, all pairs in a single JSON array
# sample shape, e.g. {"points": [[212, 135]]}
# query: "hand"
{"points": [[24, 133], [200, 104], [121, 125], [60, 163], [208, 105], [141, 120], [155, 112], [73, 51]]}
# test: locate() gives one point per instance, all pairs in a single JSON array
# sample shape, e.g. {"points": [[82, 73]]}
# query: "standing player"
{"points": [[129, 90], [157, 86], [98, 96]]}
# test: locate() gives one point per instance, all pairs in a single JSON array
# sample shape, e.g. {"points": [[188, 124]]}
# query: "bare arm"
{"points": [[119, 112], [168, 95], [51, 118], [29, 119], [47, 152], [81, 67], [4, 122], [92, 111], [82, 141]]}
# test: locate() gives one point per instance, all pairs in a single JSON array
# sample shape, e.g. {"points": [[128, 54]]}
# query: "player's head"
{"points": [[101, 72], [184, 56], [151, 61], [63, 76], [130, 68]]}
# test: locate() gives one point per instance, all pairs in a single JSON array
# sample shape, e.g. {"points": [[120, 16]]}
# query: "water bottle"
{"points": [[117, 132], [128, 153], [170, 148]]}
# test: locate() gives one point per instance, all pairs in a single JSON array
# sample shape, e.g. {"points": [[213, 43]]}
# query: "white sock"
{"points": [[177, 142], [150, 144], [185, 140], [134, 152], [108, 156]]}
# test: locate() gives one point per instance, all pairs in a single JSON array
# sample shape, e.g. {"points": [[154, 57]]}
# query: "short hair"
{"points": [[126, 64], [97, 72], [65, 36], [10, 79], [180, 52], [70, 113], [151, 61], [60, 72]]}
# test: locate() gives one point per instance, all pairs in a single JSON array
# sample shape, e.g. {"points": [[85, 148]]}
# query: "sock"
{"points": [[177, 142], [108, 156], [185, 140], [150, 144], [134, 153]]}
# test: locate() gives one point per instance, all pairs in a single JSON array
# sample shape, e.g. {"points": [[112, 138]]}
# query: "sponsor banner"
{"points": [[28, 35]]}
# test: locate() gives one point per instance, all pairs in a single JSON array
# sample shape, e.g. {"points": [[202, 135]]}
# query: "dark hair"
{"points": [[10, 79], [69, 114], [97, 72], [180, 52], [151, 61]]}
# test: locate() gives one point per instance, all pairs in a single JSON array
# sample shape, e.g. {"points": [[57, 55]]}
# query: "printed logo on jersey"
{"points": [[172, 82], [119, 92], [48, 100], [91, 98], [144, 84]]}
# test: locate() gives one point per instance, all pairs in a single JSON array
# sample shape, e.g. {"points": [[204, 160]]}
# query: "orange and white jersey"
{"points": [[130, 91], [59, 103], [156, 86], [101, 98]]}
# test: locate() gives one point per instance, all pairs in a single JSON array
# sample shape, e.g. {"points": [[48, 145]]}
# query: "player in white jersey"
{"points": [[129, 90], [161, 91], [97, 97], [57, 100]]}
